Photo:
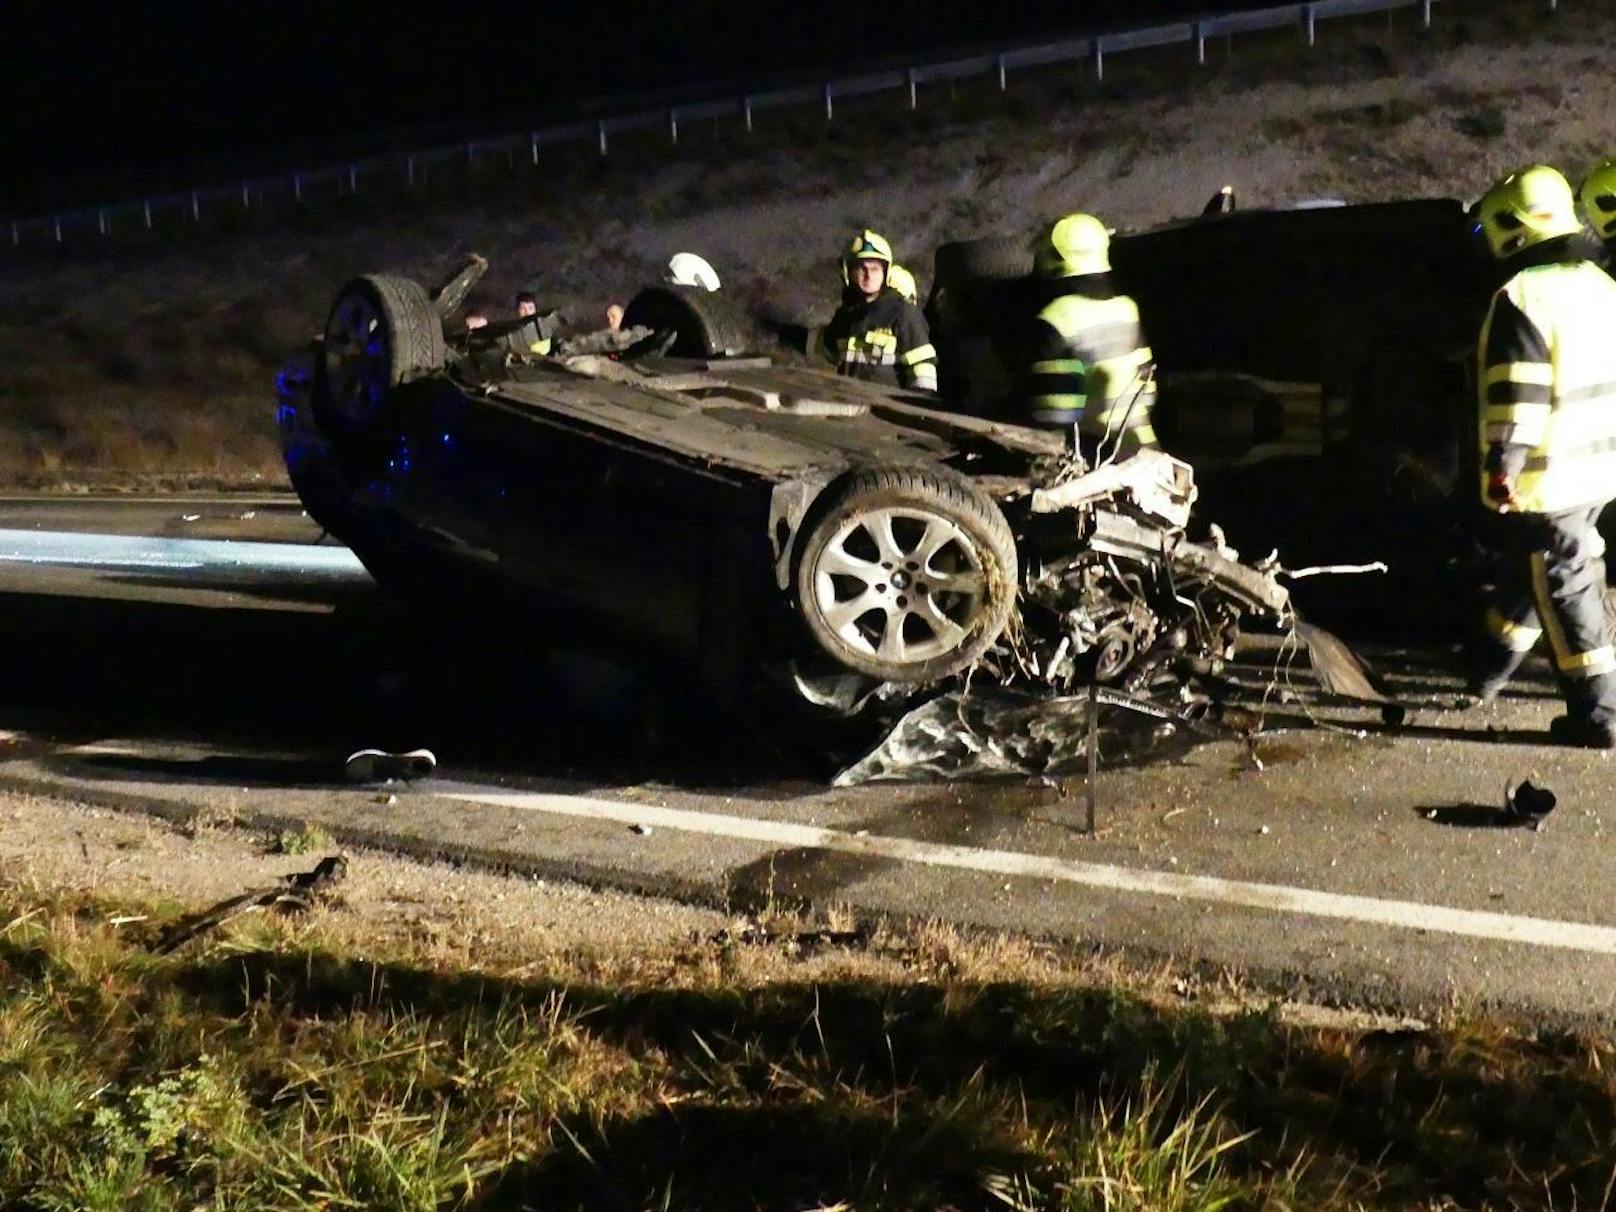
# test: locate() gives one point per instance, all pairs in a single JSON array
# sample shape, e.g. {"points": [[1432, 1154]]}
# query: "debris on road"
{"points": [[996, 731], [378, 765], [296, 893], [1528, 804]]}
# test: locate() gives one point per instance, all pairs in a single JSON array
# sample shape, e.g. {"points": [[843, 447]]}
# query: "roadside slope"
{"points": [[160, 361]]}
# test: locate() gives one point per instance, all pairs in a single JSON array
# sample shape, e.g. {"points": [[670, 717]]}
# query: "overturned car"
{"points": [[774, 525]]}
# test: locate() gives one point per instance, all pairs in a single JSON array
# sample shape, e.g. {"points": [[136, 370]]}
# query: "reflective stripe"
{"points": [[1542, 462], [1060, 366], [1517, 637], [1056, 416], [1596, 391], [1585, 665], [1145, 435], [540, 347], [1521, 411], [926, 376], [920, 353], [1539, 373], [1545, 609]]}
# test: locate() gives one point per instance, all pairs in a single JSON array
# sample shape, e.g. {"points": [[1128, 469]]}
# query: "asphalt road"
{"points": [[1351, 862]]}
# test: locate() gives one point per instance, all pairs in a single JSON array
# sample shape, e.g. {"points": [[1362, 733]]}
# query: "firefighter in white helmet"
{"points": [[876, 333], [1547, 375], [1088, 367]]}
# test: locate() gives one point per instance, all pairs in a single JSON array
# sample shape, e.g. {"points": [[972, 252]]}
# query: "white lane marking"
{"points": [[110, 552], [1408, 915]]}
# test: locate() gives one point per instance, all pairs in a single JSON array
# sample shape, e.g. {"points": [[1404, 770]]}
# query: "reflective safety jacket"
{"points": [[886, 341], [1548, 387], [1089, 366]]}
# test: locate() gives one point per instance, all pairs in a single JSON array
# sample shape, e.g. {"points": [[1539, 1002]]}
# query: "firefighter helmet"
{"points": [[1073, 245], [902, 281], [866, 246], [1597, 193], [1525, 209]]}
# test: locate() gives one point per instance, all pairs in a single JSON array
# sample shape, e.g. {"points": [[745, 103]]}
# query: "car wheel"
{"points": [[705, 324], [382, 331], [990, 259], [908, 574]]}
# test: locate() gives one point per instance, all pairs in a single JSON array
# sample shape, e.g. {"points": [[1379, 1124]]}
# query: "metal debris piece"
{"points": [[982, 733], [295, 893]]}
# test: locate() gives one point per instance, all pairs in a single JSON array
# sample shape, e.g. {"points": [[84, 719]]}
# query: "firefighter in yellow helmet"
{"points": [[1597, 193], [1547, 374], [876, 333], [1088, 367], [902, 281]]}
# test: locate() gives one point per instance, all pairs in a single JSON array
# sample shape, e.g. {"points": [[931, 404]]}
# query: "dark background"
{"points": [[103, 100]]}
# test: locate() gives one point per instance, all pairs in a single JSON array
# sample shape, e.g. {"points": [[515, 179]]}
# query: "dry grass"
{"points": [[287, 1065]]}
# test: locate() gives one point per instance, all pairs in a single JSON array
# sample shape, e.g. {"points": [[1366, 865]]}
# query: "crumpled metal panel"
{"points": [[993, 732]]}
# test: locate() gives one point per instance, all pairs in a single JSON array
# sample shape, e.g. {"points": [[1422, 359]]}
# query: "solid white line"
{"points": [[1407, 915], [111, 552]]}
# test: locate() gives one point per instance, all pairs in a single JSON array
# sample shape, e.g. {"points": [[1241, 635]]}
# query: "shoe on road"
{"points": [[378, 765]]}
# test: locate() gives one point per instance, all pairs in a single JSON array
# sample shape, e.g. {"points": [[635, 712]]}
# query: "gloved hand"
{"points": [[1500, 489]]}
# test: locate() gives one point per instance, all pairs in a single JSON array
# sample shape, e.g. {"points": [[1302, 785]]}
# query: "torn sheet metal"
{"points": [[985, 733]]}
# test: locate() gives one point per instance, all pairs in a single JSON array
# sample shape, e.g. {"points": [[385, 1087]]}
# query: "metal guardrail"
{"points": [[412, 168]]}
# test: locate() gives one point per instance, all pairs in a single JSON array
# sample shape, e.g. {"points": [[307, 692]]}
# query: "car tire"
{"points": [[930, 557], [989, 259], [705, 323], [382, 331]]}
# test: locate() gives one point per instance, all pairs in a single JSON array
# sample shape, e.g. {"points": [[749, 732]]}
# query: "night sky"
{"points": [[108, 99]]}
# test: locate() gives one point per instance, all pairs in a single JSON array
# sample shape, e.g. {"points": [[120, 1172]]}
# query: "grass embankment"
{"points": [[277, 1067]]}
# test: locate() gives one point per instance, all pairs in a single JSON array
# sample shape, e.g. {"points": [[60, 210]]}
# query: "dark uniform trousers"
{"points": [[1551, 579]]}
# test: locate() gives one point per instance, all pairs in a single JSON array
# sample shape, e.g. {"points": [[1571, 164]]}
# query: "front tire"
{"points": [[908, 575]]}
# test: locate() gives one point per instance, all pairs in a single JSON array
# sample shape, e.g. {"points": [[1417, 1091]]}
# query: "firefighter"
{"points": [[876, 333], [1598, 197], [1547, 374], [1088, 367], [902, 281]]}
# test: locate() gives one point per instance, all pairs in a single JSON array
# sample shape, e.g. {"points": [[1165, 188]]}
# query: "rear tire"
{"points": [[909, 574], [705, 323], [383, 331]]}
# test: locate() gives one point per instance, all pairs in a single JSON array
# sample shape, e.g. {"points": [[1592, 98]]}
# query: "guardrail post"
{"points": [[533, 146], [101, 219], [999, 63], [409, 171], [471, 153], [56, 227], [353, 178], [196, 208], [909, 76], [145, 210], [297, 187], [600, 132], [673, 127], [246, 197], [1200, 41], [16, 235], [746, 112], [829, 109], [1307, 22], [1099, 60]]}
